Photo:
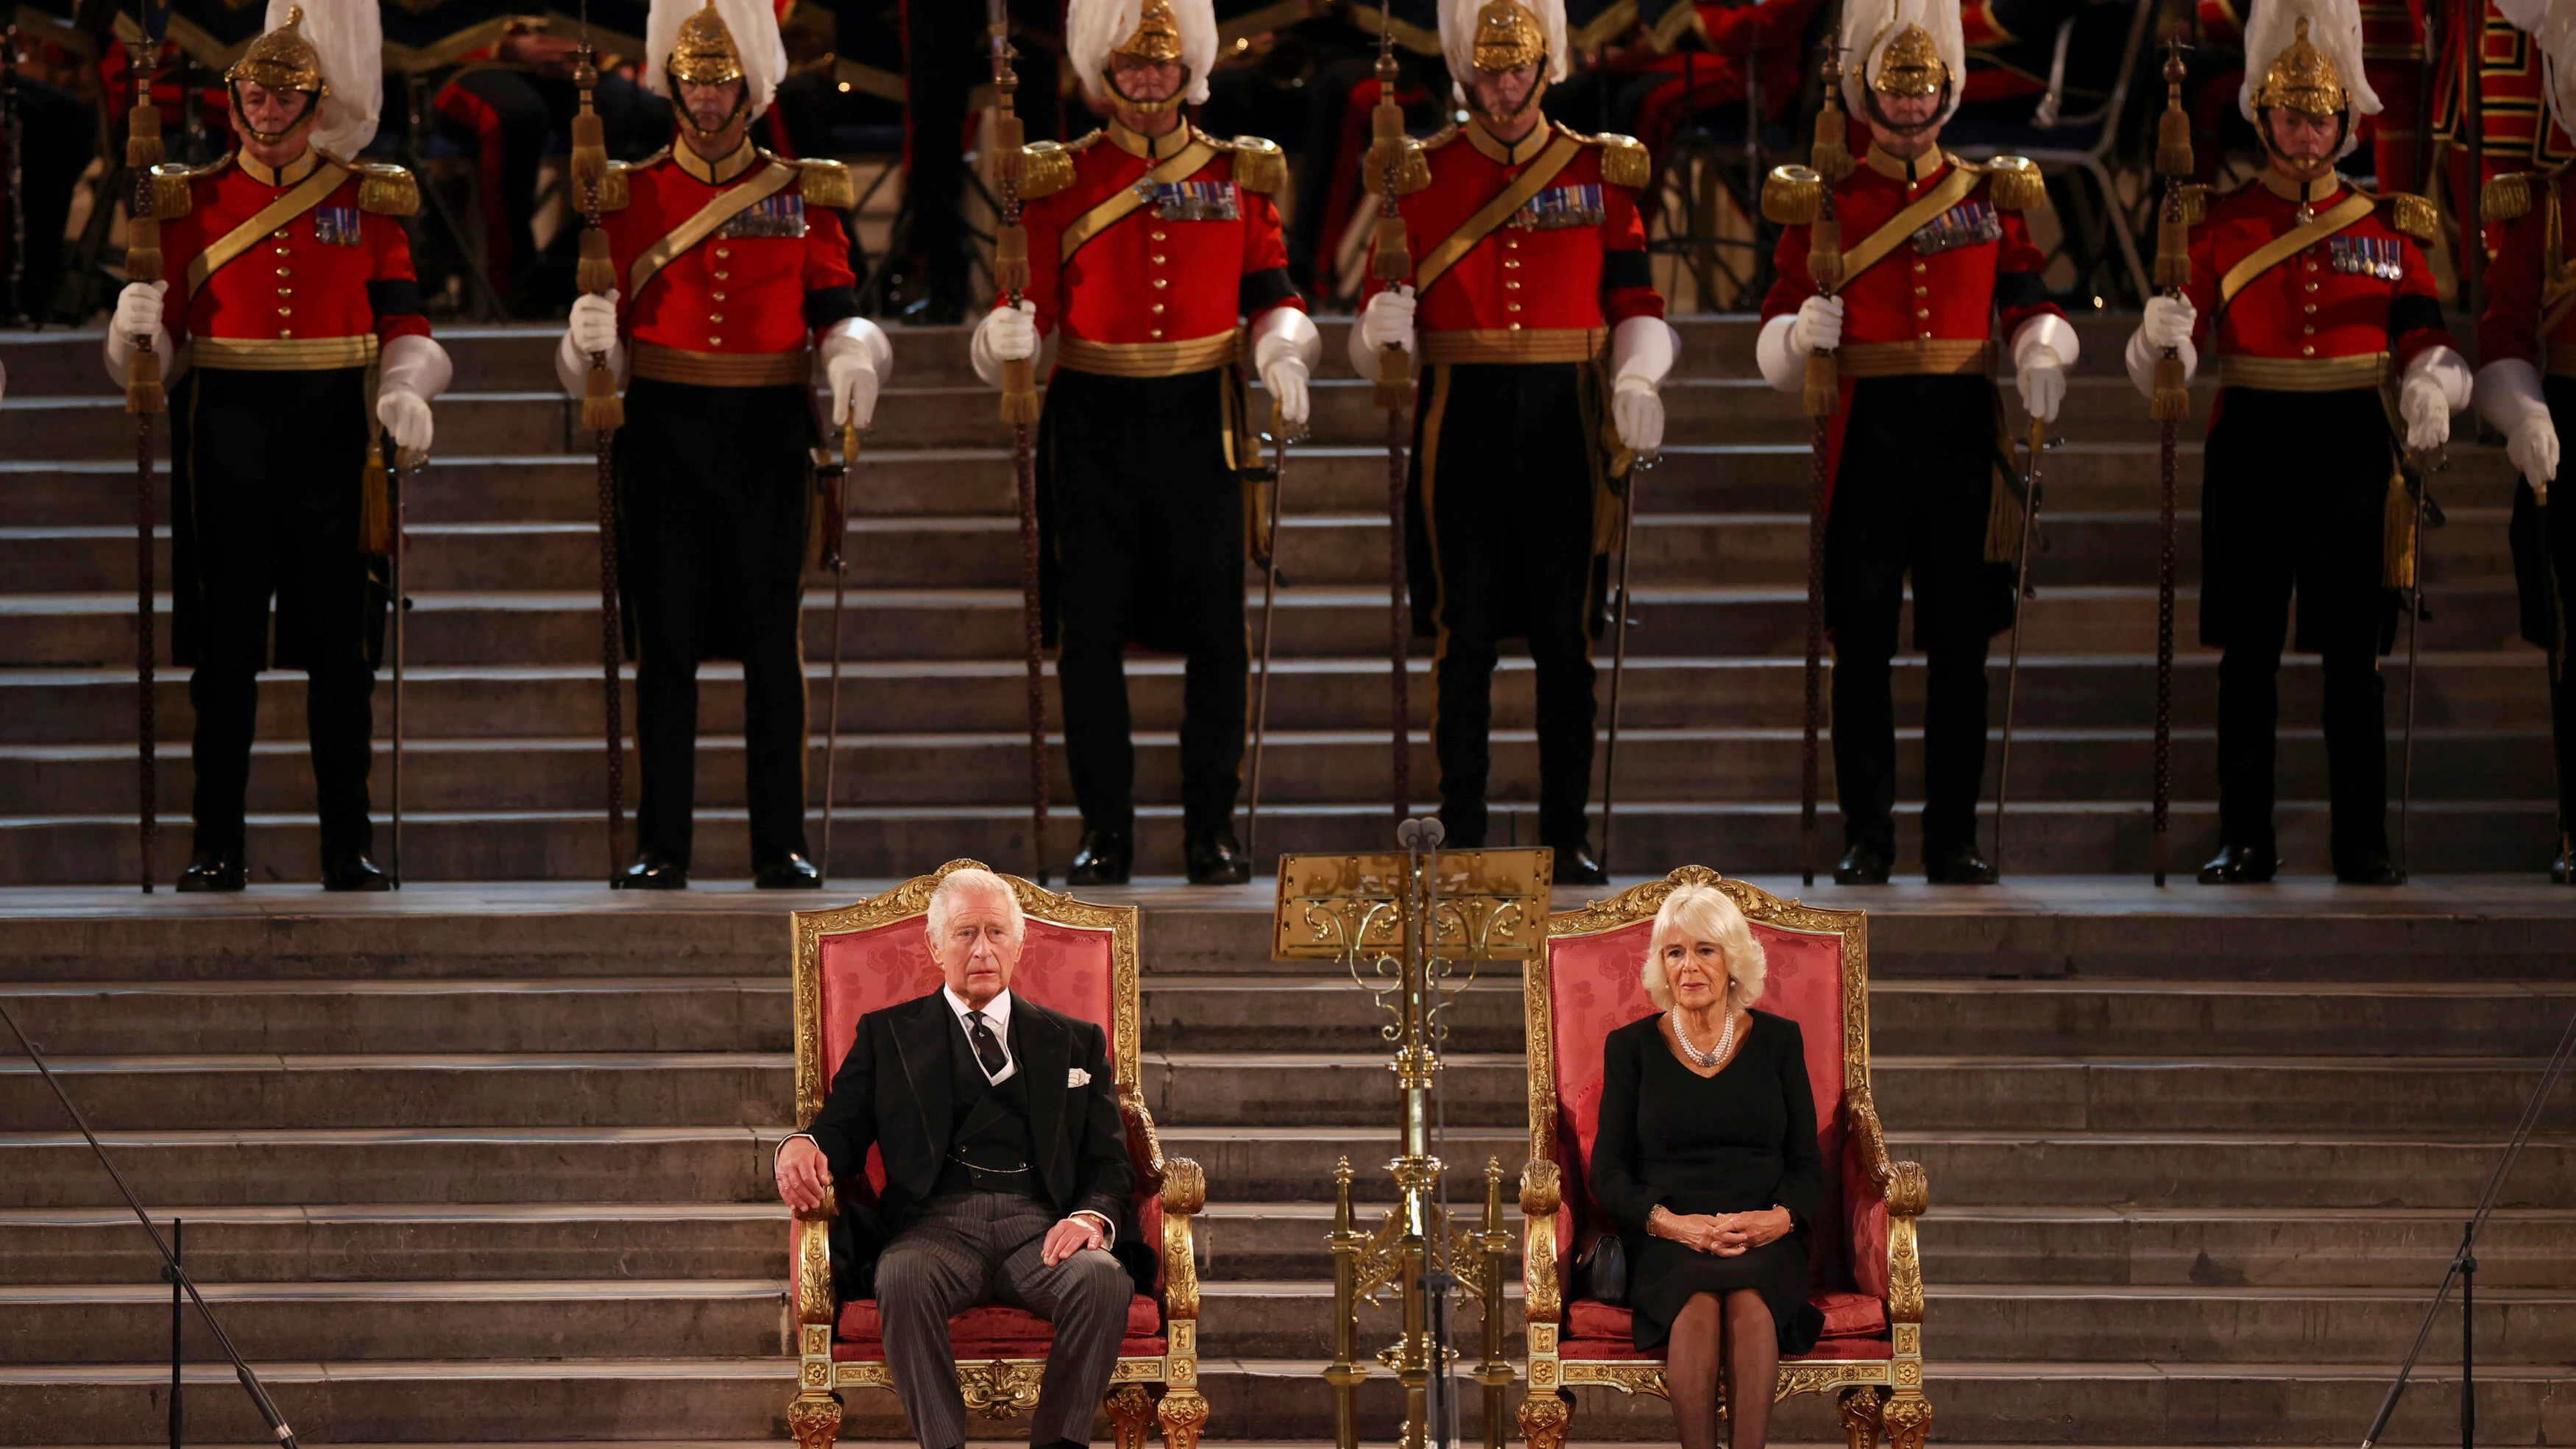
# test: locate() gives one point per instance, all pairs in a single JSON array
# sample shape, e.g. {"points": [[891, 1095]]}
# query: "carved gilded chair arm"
{"points": [[1184, 1193], [1144, 1145], [1903, 1184], [1542, 1197], [815, 1299]]}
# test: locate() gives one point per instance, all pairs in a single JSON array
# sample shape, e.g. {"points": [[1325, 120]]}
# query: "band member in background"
{"points": [[734, 279], [2320, 299], [2527, 387], [1937, 258], [1537, 327], [1147, 240], [299, 361]]}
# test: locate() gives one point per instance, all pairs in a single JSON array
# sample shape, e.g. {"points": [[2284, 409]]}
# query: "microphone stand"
{"points": [[177, 1275], [2464, 1263]]}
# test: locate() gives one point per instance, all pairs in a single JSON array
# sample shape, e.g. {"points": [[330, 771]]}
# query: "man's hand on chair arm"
{"points": [[804, 1176]]}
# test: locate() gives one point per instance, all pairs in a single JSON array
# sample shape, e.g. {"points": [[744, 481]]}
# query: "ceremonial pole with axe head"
{"points": [[144, 397], [2170, 404], [1020, 404], [603, 412], [1389, 149]]}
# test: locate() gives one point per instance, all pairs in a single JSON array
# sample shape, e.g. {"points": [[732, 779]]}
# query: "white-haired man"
{"points": [[1005, 1164]]}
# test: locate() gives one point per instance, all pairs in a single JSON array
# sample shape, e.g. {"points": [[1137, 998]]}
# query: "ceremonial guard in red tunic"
{"points": [[2319, 300], [733, 282], [1147, 241], [2527, 387], [1936, 258], [1538, 331], [294, 334]]}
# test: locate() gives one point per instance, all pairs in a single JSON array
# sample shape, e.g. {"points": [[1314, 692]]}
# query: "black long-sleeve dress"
{"points": [[1741, 1141]]}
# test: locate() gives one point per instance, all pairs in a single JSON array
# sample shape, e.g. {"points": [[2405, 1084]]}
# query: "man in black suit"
{"points": [[1006, 1170]]}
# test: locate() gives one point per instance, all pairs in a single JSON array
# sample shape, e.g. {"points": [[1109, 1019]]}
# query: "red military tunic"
{"points": [[323, 289], [2336, 315], [1547, 284], [2531, 232], [1155, 290], [739, 304], [1933, 302]]}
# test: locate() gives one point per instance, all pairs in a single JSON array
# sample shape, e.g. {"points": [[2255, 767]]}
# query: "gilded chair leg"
{"points": [[1545, 1418], [1864, 1415], [1909, 1421], [1184, 1413], [815, 1417], [1131, 1415]]}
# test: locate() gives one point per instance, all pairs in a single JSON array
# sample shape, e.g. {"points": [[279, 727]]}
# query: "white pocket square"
{"points": [[1077, 1077]]}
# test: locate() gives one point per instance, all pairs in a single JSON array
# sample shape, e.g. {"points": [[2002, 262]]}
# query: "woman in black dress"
{"points": [[1706, 1161]]}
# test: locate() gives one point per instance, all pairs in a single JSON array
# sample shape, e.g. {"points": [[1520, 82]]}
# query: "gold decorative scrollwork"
{"points": [[815, 1419], [1539, 1287], [814, 1303], [1000, 1388]]}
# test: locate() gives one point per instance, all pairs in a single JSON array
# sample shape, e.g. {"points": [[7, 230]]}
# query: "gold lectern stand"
{"points": [[1411, 926]]}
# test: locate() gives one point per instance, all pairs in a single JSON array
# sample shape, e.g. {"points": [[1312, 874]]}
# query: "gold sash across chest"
{"points": [[305, 195], [1183, 165], [2290, 243], [723, 207], [1918, 214], [1453, 248]]}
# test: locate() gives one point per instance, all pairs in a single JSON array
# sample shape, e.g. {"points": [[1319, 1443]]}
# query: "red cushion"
{"points": [[1848, 1317], [979, 1350], [987, 1331]]}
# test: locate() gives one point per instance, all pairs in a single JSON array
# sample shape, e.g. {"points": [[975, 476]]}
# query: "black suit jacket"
{"points": [[894, 1092]]}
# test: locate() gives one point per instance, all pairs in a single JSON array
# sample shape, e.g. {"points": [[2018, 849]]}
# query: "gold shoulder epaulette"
{"points": [[617, 187], [2409, 215], [386, 189], [1440, 138], [2195, 204], [1259, 165], [2013, 183], [2510, 196], [173, 195], [1792, 196], [826, 184], [1045, 169], [1412, 176], [1624, 161]]}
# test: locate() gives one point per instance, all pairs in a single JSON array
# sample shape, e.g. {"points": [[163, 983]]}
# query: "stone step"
{"points": [[1758, 838], [561, 626], [2084, 475], [370, 1242], [500, 1319], [2055, 1402], [2504, 689], [1300, 768]]}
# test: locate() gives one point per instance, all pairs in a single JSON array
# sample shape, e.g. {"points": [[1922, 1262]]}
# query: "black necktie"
{"points": [[988, 1047]]}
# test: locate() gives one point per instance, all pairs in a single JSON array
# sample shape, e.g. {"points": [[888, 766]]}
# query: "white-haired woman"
{"points": [[1706, 1160]]}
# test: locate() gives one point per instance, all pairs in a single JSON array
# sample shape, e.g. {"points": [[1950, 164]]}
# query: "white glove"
{"points": [[1285, 381], [412, 371], [1387, 321], [2042, 381], [2169, 322], [1638, 413], [856, 359], [138, 310], [1010, 334], [2508, 394], [2427, 413], [405, 414], [1819, 327], [2533, 447], [594, 323], [1285, 345]]}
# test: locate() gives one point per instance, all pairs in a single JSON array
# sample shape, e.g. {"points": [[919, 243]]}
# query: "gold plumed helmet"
{"points": [[2302, 78], [1158, 34], [704, 52], [282, 60], [1508, 37], [1911, 65]]}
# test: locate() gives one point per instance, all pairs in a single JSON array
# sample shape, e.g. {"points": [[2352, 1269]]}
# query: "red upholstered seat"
{"points": [[1853, 1318], [991, 1331]]}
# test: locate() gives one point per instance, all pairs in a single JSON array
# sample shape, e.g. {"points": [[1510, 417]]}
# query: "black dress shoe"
{"points": [[1216, 859], [2239, 865], [1105, 858], [350, 870], [1575, 865], [1864, 864], [2374, 869], [214, 870], [795, 873], [1959, 865], [654, 871]]}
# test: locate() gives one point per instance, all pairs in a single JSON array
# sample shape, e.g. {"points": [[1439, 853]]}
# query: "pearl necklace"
{"points": [[1705, 1060]]}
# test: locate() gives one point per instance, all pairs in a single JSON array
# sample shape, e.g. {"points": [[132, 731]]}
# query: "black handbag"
{"points": [[1602, 1270]]}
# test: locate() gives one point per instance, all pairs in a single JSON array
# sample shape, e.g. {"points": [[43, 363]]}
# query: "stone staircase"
{"points": [[503, 641], [489, 1163]]}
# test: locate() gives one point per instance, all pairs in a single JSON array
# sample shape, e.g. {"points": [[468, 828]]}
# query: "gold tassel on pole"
{"points": [[143, 391], [1830, 158], [2172, 401], [1394, 254]]}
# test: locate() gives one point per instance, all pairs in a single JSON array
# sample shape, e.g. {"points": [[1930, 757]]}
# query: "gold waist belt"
{"points": [[2304, 374], [1577, 344], [283, 354], [723, 369], [1148, 359], [1936, 356]]}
